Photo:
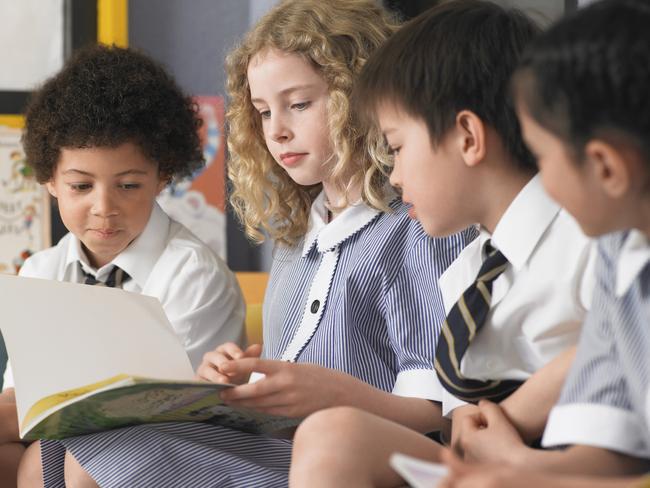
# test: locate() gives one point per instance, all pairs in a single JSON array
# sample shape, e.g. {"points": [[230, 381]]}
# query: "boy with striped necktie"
{"points": [[582, 99], [515, 297]]}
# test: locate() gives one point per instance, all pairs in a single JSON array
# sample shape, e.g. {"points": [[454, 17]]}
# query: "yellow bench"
{"points": [[253, 286]]}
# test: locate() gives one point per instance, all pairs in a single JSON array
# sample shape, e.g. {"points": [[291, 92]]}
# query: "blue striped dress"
{"points": [[359, 294], [605, 402]]}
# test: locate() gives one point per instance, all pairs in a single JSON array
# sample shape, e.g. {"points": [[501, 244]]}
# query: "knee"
{"points": [[30, 470], [330, 430], [75, 475]]}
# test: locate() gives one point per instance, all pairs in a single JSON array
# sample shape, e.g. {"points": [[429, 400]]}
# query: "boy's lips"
{"points": [[291, 158], [105, 233]]}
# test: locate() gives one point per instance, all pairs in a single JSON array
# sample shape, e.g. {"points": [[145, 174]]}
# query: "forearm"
{"points": [[581, 460], [8, 423], [415, 413], [528, 408]]}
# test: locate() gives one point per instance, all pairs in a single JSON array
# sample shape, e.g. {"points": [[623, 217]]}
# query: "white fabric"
{"points": [[635, 254], [604, 401], [597, 425], [198, 292], [538, 302]]}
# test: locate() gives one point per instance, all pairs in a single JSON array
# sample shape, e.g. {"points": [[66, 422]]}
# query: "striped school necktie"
{"points": [[116, 278], [463, 322]]}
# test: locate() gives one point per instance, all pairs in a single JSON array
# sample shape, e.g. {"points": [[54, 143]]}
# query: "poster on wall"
{"points": [[32, 38], [199, 202], [24, 206]]}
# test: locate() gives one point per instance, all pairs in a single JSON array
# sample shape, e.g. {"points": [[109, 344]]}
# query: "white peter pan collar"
{"points": [[634, 255], [326, 235], [524, 223], [138, 259]]}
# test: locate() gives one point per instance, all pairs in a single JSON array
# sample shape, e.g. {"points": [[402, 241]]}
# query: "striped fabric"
{"points": [[464, 321], [379, 315], [606, 401]]}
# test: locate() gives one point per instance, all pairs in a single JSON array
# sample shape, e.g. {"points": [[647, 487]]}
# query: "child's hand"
{"points": [[488, 436], [464, 475], [457, 417], [211, 369], [289, 389]]}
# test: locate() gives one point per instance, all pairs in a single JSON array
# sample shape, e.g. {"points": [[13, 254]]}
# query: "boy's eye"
{"points": [[129, 186], [301, 106], [80, 186]]}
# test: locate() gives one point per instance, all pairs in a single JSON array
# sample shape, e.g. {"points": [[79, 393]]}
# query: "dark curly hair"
{"points": [[588, 75], [106, 96]]}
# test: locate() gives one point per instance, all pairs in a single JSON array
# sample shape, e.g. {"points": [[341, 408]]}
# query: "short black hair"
{"points": [[590, 74], [105, 96], [456, 56]]}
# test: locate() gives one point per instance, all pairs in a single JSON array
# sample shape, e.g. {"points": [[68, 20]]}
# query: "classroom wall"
{"points": [[192, 38]]}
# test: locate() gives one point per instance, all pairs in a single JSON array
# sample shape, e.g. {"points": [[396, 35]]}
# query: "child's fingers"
{"points": [[231, 350], [250, 365], [253, 351], [491, 412], [211, 375]]}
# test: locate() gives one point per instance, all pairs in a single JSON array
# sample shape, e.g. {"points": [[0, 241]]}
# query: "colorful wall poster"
{"points": [[24, 206]]}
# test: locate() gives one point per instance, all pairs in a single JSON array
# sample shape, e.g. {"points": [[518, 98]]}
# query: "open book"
{"points": [[416, 472], [90, 358]]}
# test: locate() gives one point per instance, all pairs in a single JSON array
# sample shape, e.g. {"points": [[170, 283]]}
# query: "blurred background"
{"points": [[191, 38]]}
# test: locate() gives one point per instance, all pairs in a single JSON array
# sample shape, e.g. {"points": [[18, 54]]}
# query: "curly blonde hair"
{"points": [[336, 37]]}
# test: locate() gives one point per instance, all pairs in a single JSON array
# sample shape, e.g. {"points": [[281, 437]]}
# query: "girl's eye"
{"points": [[301, 106], [80, 186], [266, 114], [394, 151], [129, 186]]}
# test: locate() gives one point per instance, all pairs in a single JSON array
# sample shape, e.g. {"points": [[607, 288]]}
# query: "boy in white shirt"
{"points": [[515, 296], [105, 136]]}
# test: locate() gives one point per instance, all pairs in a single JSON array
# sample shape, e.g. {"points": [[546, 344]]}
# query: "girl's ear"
{"points": [[610, 167], [471, 134], [50, 187]]}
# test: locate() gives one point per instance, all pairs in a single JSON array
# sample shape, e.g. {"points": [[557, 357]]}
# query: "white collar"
{"points": [[634, 255], [524, 223], [329, 235], [139, 258]]}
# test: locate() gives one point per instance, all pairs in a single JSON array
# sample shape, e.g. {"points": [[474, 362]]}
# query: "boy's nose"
{"points": [[104, 204]]}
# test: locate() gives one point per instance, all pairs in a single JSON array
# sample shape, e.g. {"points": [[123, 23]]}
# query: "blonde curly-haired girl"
{"points": [[352, 309]]}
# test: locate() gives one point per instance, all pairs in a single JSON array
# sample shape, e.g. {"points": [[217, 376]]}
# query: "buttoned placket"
{"points": [[315, 304]]}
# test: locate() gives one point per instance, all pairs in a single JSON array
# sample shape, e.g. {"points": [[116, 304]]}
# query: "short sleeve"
{"points": [[203, 303], [595, 407], [415, 312]]}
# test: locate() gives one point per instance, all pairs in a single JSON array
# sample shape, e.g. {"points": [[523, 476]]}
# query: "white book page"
{"points": [[416, 472], [62, 336]]}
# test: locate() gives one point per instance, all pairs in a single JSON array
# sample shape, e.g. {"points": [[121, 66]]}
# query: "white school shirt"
{"points": [[538, 302], [605, 401], [198, 293]]}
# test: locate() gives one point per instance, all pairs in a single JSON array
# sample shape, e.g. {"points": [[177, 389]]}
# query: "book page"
{"points": [[62, 336], [418, 473]]}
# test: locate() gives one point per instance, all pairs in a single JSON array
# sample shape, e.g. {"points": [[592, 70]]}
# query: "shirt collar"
{"points": [[634, 255], [139, 258], [524, 223], [326, 235]]}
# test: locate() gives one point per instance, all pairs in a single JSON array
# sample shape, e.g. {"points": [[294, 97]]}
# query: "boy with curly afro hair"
{"points": [[105, 136]]}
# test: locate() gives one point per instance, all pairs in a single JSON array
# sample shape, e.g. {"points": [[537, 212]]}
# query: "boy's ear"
{"points": [[163, 181], [610, 167], [50, 188], [471, 133]]}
